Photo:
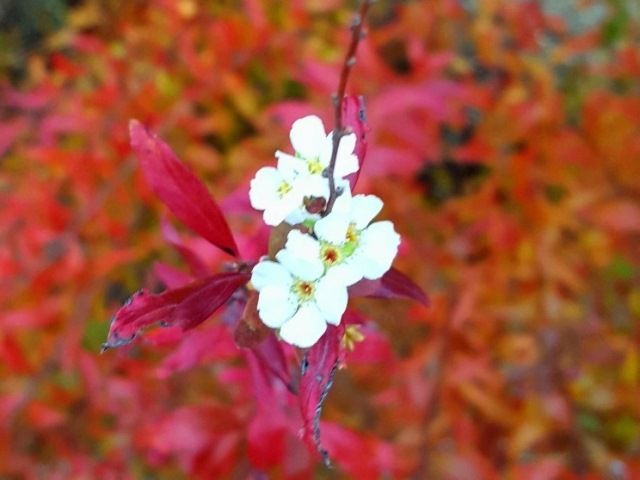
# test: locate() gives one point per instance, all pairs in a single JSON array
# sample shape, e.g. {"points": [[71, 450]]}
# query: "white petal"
{"points": [[314, 185], [302, 244], [331, 299], [298, 216], [347, 273], [343, 202], [378, 247], [301, 256], [333, 227], [289, 166], [270, 273], [307, 136], [278, 210], [347, 145], [305, 328], [276, 305], [346, 164], [364, 209], [264, 187]]}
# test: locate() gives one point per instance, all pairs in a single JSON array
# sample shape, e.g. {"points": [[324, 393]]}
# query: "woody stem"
{"points": [[339, 130]]}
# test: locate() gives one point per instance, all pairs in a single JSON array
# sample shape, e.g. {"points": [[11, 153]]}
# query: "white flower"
{"points": [[296, 297], [281, 191], [347, 246], [313, 149]]}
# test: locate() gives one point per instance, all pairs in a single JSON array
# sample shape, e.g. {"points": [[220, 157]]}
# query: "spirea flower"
{"points": [[296, 297], [280, 192], [347, 245]]}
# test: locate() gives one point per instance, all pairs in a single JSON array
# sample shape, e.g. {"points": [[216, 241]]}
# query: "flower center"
{"points": [[314, 166], [352, 234], [283, 189], [330, 255], [304, 290]]}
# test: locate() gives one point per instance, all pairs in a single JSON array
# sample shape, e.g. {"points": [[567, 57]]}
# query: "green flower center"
{"points": [[331, 254]]}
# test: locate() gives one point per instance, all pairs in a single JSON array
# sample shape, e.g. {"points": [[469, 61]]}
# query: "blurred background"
{"points": [[505, 142]]}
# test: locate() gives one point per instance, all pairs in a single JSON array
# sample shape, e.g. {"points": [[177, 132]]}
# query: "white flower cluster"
{"points": [[306, 287]]}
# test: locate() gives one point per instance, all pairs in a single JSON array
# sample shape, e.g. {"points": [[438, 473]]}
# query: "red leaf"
{"points": [[273, 361], [393, 284], [318, 367], [349, 448], [266, 439], [197, 347], [179, 189], [198, 268], [185, 307], [170, 276], [354, 117]]}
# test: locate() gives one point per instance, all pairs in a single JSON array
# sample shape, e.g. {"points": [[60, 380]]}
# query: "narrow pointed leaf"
{"points": [[271, 355], [197, 266], [393, 284], [179, 189], [354, 117], [184, 307], [318, 368]]}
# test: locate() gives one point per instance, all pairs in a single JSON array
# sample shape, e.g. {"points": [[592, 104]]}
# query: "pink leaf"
{"points": [[179, 189], [170, 276], [266, 439], [271, 356], [318, 367], [198, 268], [393, 284], [197, 347], [349, 448], [184, 307], [354, 117]]}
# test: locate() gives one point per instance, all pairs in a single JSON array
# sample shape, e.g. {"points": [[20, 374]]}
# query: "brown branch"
{"points": [[339, 130]]}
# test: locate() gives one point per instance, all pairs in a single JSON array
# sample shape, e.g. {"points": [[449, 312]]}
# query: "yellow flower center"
{"points": [[283, 189], [330, 255], [314, 166], [352, 233], [304, 290]]}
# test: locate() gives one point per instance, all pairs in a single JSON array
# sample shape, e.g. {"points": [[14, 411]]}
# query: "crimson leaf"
{"points": [[184, 307], [393, 284], [179, 189], [354, 118], [197, 266], [318, 368]]}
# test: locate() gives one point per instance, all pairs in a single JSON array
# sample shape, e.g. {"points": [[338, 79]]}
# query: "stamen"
{"points": [[304, 290], [330, 255], [352, 233], [283, 189], [314, 166]]}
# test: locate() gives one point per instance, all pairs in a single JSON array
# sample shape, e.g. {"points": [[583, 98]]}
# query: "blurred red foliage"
{"points": [[505, 141]]}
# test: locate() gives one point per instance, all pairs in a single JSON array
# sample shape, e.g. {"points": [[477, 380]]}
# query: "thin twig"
{"points": [[339, 130]]}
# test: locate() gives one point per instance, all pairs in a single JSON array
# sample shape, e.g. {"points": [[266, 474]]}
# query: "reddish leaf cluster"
{"points": [[189, 305], [504, 141]]}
